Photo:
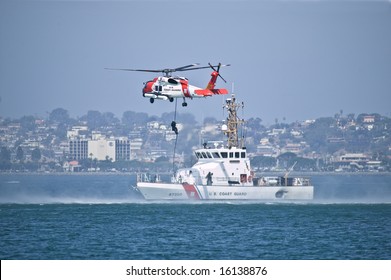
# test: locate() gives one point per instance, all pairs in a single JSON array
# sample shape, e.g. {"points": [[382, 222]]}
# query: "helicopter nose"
{"points": [[148, 87]]}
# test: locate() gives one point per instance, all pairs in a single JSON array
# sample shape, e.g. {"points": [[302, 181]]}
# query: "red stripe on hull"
{"points": [[191, 191]]}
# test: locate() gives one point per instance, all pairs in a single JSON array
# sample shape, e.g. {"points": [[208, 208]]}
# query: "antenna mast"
{"points": [[233, 122]]}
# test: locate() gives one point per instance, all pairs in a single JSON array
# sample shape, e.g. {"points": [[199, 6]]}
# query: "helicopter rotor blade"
{"points": [[168, 71], [184, 68], [196, 68], [139, 70], [211, 66]]}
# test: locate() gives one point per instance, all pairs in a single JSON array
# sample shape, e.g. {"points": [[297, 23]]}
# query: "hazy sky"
{"points": [[290, 59]]}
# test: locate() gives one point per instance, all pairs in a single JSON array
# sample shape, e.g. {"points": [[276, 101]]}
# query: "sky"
{"points": [[290, 60]]}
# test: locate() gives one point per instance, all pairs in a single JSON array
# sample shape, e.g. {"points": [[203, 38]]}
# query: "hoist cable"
{"points": [[173, 124]]}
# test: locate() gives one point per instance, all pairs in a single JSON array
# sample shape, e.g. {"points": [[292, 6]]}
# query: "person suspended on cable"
{"points": [[174, 128]]}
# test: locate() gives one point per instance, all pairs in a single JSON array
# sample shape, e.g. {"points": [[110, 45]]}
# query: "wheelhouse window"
{"points": [[237, 155], [216, 155], [243, 154], [224, 154]]}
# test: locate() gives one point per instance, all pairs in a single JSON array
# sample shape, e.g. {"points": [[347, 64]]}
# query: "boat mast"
{"points": [[233, 122]]}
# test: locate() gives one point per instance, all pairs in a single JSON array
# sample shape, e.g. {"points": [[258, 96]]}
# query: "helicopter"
{"points": [[169, 87]]}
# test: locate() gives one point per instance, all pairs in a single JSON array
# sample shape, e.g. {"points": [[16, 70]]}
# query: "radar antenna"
{"points": [[233, 122]]}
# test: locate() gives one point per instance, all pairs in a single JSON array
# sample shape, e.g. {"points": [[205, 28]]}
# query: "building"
{"points": [[265, 148], [136, 147], [78, 149], [354, 158], [369, 119], [122, 149], [100, 148], [352, 161], [76, 132]]}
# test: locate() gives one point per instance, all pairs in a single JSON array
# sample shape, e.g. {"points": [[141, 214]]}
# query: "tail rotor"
{"points": [[218, 69]]}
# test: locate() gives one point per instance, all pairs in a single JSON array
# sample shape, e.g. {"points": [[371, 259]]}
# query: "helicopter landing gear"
{"points": [[184, 104], [171, 99], [151, 100]]}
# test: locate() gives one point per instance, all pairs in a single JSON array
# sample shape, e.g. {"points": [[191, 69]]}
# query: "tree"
{"points": [[263, 161], [94, 119], [186, 118], [59, 115], [36, 154], [109, 118], [131, 119], [255, 124], [318, 133], [5, 158], [19, 154], [210, 120], [305, 164], [27, 123], [5, 154], [162, 159], [287, 159]]}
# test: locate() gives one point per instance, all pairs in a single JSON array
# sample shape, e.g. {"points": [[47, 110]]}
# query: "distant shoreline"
{"points": [[258, 174]]}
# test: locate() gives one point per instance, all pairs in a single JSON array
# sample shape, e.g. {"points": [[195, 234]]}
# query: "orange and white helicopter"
{"points": [[168, 87]]}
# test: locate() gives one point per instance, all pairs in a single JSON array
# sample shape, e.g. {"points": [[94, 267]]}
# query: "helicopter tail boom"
{"points": [[210, 92]]}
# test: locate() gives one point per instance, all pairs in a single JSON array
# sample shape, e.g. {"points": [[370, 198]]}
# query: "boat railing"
{"points": [[148, 178], [214, 180], [202, 180], [282, 181]]}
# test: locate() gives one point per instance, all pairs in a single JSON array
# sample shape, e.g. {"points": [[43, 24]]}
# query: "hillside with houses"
{"points": [[140, 142]]}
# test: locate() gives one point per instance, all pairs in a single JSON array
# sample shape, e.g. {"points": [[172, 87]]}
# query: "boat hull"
{"points": [[165, 191]]}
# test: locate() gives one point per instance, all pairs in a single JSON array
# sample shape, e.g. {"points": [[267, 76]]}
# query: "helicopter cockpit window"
{"points": [[172, 81]]}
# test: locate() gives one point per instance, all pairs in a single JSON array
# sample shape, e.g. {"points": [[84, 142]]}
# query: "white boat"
{"points": [[223, 172]]}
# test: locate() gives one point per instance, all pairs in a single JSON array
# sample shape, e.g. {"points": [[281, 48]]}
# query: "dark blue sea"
{"points": [[101, 217]]}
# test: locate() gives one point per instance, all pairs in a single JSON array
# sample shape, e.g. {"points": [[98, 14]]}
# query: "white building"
{"points": [[75, 132], [354, 158], [100, 148]]}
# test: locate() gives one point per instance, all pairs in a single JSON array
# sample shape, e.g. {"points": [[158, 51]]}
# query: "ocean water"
{"points": [[101, 217]]}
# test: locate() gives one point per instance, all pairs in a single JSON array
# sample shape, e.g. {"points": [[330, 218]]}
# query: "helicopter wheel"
{"points": [[171, 99], [184, 104], [151, 100]]}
